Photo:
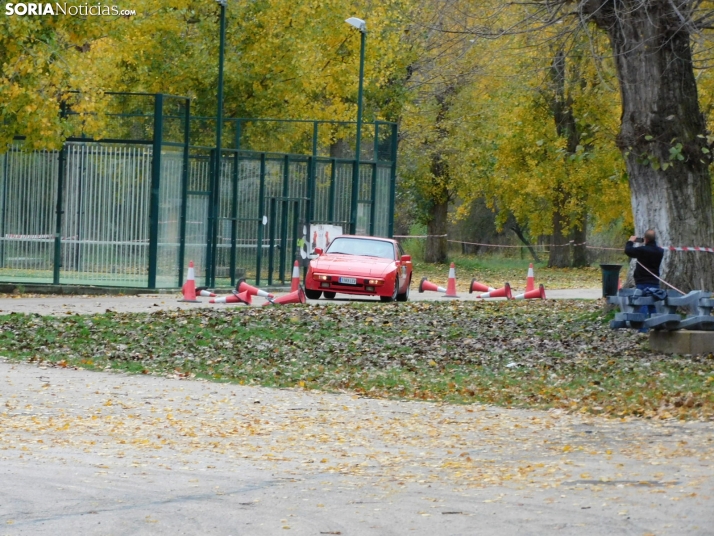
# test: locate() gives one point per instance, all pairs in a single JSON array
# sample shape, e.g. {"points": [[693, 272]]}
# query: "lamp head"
{"points": [[357, 23], [222, 2]]}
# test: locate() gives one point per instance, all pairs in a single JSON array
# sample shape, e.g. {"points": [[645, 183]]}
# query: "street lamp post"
{"points": [[214, 208], [362, 27]]}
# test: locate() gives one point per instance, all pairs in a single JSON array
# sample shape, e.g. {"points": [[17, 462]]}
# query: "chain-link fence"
{"points": [[133, 208]]}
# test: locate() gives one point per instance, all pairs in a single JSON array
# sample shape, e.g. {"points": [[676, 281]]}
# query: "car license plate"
{"points": [[348, 280]]}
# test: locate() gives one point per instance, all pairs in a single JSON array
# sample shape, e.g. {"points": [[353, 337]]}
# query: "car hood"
{"points": [[356, 265]]}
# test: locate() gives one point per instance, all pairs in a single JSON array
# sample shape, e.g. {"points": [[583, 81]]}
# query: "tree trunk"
{"points": [[559, 251], [663, 133], [562, 108], [439, 203], [579, 237], [436, 228]]}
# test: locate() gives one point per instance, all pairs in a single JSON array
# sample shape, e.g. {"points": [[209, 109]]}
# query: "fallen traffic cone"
{"points": [[425, 284], [451, 286], [504, 292], [530, 280], [253, 291], [294, 297], [479, 287], [201, 291], [535, 294], [189, 287], [295, 283], [236, 297]]}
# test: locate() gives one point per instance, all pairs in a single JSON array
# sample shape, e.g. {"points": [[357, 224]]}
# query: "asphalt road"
{"points": [[102, 453]]}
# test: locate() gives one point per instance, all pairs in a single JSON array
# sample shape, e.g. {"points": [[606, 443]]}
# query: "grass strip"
{"points": [[515, 354]]}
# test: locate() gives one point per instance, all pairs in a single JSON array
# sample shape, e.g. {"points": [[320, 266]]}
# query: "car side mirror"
{"points": [[406, 258], [319, 251]]}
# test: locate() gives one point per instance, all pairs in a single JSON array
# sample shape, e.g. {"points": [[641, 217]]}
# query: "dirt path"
{"points": [[100, 453]]}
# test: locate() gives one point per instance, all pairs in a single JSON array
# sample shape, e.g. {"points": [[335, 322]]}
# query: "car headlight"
{"points": [[320, 277], [375, 282]]}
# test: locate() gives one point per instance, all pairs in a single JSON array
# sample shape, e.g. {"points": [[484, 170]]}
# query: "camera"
{"points": [[639, 239]]}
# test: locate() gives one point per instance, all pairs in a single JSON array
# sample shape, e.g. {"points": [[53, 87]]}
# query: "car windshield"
{"points": [[360, 246]]}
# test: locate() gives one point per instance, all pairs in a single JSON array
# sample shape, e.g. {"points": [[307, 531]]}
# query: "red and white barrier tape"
{"points": [[569, 244], [421, 236], [686, 248]]}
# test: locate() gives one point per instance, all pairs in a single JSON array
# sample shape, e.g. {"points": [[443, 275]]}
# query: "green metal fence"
{"points": [[133, 208]]}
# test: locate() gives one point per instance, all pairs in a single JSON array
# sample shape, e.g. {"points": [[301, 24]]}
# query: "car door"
{"points": [[405, 268]]}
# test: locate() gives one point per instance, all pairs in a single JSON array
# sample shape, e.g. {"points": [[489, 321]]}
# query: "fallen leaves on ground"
{"points": [[523, 354]]}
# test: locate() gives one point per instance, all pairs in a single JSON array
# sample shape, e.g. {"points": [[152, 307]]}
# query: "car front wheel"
{"points": [[404, 297], [394, 295], [313, 294]]}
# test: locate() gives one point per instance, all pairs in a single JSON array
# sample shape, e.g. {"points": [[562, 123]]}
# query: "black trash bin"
{"points": [[610, 279]]}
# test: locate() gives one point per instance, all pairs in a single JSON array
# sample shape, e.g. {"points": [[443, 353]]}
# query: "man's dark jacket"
{"points": [[650, 255]]}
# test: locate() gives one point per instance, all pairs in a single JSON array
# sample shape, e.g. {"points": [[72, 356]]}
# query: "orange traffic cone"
{"points": [[504, 292], [201, 291], [253, 291], [425, 284], [530, 280], [479, 287], [236, 297], [189, 287], [535, 294], [294, 297], [295, 283], [451, 286]]}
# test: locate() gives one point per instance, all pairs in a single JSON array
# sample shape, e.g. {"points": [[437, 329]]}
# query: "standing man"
{"points": [[649, 257]]}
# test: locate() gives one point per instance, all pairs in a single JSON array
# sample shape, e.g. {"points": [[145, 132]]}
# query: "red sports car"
{"points": [[362, 265]]}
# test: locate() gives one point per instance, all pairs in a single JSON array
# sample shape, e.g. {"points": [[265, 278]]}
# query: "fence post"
{"points": [[296, 224], [311, 178], [184, 191], [373, 211], [59, 210], [373, 208], [4, 205], [333, 191], [272, 215], [209, 231], [234, 218], [284, 218], [354, 197], [155, 185], [261, 203], [393, 180]]}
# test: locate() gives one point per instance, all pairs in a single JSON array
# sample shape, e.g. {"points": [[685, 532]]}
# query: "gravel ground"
{"points": [[99, 453], [58, 305]]}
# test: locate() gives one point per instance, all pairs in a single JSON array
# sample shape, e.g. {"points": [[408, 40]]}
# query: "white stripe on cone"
{"points": [[451, 287], [222, 299], [295, 283], [205, 294], [189, 287], [530, 280]]}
